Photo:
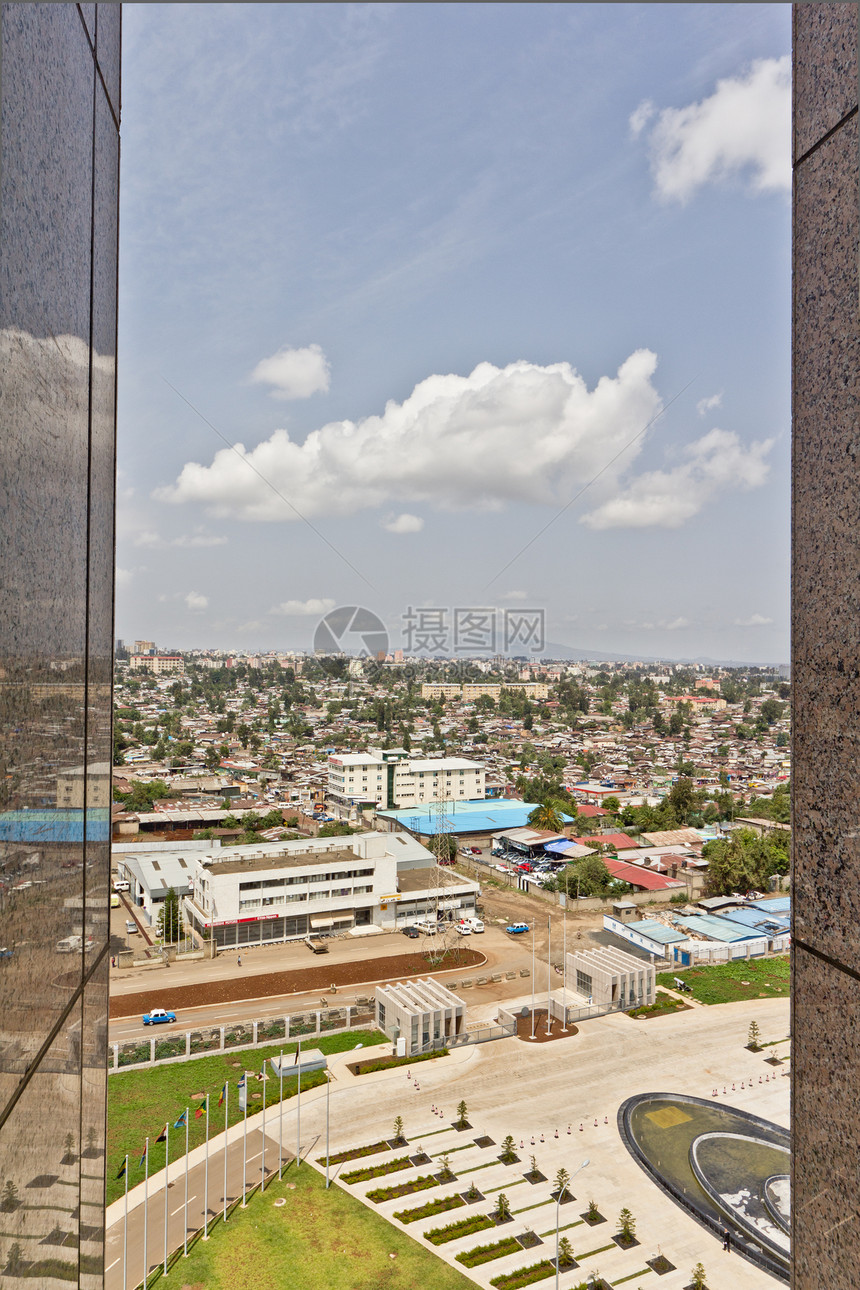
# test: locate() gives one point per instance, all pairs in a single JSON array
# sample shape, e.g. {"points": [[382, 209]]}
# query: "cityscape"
{"points": [[428, 669]]}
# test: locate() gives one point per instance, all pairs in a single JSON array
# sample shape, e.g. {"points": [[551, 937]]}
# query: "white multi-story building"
{"points": [[280, 891], [157, 663], [388, 778]]}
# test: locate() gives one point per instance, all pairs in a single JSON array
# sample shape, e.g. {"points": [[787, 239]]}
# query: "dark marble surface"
{"points": [[826, 554], [825, 653], [824, 1185], [58, 272], [108, 48], [825, 70]]}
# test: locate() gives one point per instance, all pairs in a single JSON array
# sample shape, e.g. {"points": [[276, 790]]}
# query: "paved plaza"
{"points": [[573, 1088]]}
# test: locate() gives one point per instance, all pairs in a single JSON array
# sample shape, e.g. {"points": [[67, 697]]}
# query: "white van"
{"points": [[424, 925], [121, 885], [475, 924]]}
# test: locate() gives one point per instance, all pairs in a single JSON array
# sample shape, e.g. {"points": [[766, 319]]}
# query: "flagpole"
{"points": [[245, 1140], [549, 974], [185, 1243], [166, 1165], [206, 1180], [226, 1123], [263, 1156], [281, 1115], [533, 982], [125, 1232], [327, 1100], [299, 1109], [564, 971], [145, 1212]]}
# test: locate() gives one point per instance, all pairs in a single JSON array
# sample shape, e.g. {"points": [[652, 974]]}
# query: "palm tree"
{"points": [[546, 817]]}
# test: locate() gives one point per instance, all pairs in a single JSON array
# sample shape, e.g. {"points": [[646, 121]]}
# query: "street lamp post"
{"points": [[557, 1219], [328, 1079]]}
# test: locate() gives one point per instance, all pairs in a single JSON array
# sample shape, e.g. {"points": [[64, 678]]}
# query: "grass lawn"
{"points": [[318, 1241], [662, 1003], [139, 1102], [724, 982]]}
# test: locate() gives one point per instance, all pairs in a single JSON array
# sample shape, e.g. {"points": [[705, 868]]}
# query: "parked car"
{"points": [[130, 926], [464, 929], [514, 929], [121, 885], [156, 1015], [412, 932], [475, 924]]}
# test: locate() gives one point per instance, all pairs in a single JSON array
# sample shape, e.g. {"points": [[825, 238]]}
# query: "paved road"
{"points": [[504, 954], [124, 1263]]}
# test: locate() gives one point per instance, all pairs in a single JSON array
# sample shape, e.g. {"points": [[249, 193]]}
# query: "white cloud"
{"points": [[404, 523], [294, 373], [668, 498], [195, 601], [517, 595], [676, 625], [156, 542], [640, 117], [303, 608], [523, 433], [743, 128], [754, 620], [704, 406], [123, 577]]}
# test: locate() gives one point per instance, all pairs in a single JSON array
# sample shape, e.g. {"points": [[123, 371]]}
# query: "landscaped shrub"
{"points": [[386, 1063], [525, 1276], [390, 1193], [626, 1225], [377, 1171], [462, 1121], [357, 1153], [484, 1253], [465, 1227], [432, 1207]]}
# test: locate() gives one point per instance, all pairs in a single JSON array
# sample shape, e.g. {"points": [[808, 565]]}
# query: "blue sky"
{"points": [[435, 268]]}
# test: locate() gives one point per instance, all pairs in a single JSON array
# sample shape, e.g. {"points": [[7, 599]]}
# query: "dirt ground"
{"points": [[508, 905], [524, 1029], [317, 979]]}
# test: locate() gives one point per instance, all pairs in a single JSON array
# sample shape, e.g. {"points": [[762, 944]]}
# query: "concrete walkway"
{"points": [[572, 1087]]}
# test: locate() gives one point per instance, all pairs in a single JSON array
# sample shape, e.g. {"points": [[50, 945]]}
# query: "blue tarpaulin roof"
{"points": [[60, 825], [717, 929], [483, 816]]}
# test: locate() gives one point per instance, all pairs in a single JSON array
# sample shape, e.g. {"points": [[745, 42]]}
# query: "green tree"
{"points": [[335, 829], [546, 816], [398, 1129], [626, 1225], [169, 926], [565, 1252], [744, 861], [9, 1197], [508, 1154], [562, 1178], [462, 1115], [211, 758], [753, 1037], [503, 1207], [697, 1278], [586, 877]]}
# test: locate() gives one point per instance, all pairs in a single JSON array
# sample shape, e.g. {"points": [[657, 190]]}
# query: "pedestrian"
{"points": [[727, 1240], [240, 960]]}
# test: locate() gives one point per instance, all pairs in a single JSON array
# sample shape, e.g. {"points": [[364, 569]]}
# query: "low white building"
{"points": [[388, 778], [281, 891]]}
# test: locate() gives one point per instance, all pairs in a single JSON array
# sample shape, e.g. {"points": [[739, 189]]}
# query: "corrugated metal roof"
{"points": [[717, 929]]}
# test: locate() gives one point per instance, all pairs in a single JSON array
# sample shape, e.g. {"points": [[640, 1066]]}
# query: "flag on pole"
{"points": [[202, 1108], [162, 1137], [223, 1091], [263, 1071], [180, 1123], [241, 1083], [122, 1168], [145, 1153]]}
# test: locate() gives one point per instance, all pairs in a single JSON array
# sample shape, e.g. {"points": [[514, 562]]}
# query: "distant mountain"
{"points": [[574, 654]]}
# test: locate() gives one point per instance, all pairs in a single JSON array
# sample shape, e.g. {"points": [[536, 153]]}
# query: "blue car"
{"points": [[157, 1015], [515, 928]]}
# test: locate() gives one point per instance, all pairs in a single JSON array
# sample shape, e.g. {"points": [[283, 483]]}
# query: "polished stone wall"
{"points": [[59, 174], [826, 650]]}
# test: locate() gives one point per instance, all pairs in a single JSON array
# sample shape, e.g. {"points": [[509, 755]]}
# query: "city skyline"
{"points": [[440, 271]]}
